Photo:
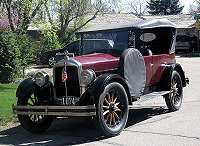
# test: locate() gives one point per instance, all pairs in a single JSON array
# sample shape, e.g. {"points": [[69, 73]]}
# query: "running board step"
{"points": [[152, 95], [137, 104]]}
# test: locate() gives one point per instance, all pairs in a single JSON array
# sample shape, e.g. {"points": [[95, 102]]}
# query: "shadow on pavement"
{"points": [[70, 131]]}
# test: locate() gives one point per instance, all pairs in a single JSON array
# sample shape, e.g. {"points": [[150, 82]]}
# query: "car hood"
{"points": [[98, 61]]}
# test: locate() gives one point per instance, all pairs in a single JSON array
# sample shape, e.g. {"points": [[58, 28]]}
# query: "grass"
{"points": [[7, 99]]}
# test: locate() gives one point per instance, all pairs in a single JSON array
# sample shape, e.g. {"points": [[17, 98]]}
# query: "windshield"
{"points": [[105, 42]]}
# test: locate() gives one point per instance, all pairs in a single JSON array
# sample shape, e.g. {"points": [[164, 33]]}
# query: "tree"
{"points": [[20, 13], [138, 7], [195, 7], [164, 7], [72, 15]]}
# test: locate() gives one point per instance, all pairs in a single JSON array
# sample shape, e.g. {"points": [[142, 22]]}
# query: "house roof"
{"points": [[124, 20], [137, 23], [4, 24]]}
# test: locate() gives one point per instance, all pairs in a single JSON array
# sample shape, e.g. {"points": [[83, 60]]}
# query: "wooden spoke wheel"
{"points": [[112, 109], [32, 122], [174, 99], [31, 102]]}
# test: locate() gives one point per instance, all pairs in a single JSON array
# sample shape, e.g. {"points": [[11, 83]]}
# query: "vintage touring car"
{"points": [[105, 83]]}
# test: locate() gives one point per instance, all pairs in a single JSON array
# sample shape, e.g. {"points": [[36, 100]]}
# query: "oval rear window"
{"points": [[147, 37]]}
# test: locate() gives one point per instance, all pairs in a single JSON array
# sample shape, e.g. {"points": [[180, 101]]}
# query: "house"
{"points": [[32, 31]]}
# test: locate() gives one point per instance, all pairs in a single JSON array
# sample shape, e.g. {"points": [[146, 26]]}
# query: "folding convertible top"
{"points": [[140, 24]]}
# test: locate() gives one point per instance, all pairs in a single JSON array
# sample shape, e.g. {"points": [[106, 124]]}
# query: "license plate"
{"points": [[70, 100]]}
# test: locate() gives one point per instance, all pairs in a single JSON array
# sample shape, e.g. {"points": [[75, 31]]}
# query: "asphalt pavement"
{"points": [[145, 127]]}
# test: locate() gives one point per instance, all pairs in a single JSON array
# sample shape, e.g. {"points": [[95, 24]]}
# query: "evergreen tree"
{"points": [[164, 7]]}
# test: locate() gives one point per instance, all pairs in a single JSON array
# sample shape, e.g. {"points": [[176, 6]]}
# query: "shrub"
{"points": [[9, 53], [49, 40], [16, 53]]}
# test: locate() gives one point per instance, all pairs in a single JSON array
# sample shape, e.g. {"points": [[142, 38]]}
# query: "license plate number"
{"points": [[70, 100]]}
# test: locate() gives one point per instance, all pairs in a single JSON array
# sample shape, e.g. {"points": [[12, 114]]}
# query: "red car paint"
{"points": [[100, 62]]}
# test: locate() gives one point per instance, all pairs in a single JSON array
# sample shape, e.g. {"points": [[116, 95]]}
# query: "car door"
{"points": [[160, 61], [144, 39], [149, 69]]}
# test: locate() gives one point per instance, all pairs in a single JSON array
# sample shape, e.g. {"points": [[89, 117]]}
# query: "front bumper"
{"points": [[69, 111]]}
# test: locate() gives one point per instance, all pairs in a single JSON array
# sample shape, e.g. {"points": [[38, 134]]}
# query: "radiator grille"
{"points": [[73, 87]]}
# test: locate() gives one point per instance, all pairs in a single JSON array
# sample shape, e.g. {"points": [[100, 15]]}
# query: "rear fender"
{"points": [[177, 67], [98, 86], [166, 77]]}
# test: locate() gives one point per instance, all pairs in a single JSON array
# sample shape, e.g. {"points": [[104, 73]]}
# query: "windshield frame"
{"points": [[105, 31]]}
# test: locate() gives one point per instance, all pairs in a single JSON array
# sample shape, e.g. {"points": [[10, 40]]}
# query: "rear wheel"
{"points": [[175, 97], [33, 123], [112, 109]]}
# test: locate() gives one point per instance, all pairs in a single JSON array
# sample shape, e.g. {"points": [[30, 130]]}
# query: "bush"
{"points": [[16, 53], [49, 38], [9, 54], [48, 41]]}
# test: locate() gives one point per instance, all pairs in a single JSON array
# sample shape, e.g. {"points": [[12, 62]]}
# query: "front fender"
{"points": [[25, 88], [28, 87], [97, 87]]}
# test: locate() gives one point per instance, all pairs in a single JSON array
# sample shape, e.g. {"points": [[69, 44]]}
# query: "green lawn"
{"points": [[7, 98]]}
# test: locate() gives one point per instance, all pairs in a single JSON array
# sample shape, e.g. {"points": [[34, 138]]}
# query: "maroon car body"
{"points": [[100, 62], [132, 64]]}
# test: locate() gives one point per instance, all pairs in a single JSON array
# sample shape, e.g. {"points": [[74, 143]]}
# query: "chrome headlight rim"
{"points": [[87, 76], [41, 78]]}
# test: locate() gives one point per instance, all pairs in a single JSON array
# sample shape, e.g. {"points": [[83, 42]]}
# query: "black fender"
{"points": [[28, 86], [177, 67], [25, 88], [97, 87], [165, 81]]}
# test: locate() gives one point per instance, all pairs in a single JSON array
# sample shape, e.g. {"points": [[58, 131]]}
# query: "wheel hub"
{"points": [[111, 109], [175, 91]]}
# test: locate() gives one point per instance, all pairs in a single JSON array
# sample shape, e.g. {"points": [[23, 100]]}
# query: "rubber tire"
{"points": [[171, 106], [104, 129], [30, 126]]}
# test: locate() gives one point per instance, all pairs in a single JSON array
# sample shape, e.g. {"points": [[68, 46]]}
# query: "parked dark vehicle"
{"points": [[185, 44], [105, 83], [49, 57]]}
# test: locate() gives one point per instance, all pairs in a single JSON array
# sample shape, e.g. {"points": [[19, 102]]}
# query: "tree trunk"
{"points": [[10, 19]]}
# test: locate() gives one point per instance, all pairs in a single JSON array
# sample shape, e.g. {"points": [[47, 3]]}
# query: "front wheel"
{"points": [[33, 123], [175, 97], [112, 109]]}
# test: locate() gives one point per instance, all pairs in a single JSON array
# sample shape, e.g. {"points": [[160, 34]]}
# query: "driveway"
{"points": [[146, 127]]}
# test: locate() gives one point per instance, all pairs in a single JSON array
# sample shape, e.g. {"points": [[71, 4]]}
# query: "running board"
{"points": [[74, 111], [137, 104], [152, 95]]}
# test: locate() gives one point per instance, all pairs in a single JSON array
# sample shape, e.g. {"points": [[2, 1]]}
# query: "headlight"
{"points": [[87, 76], [41, 78]]}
